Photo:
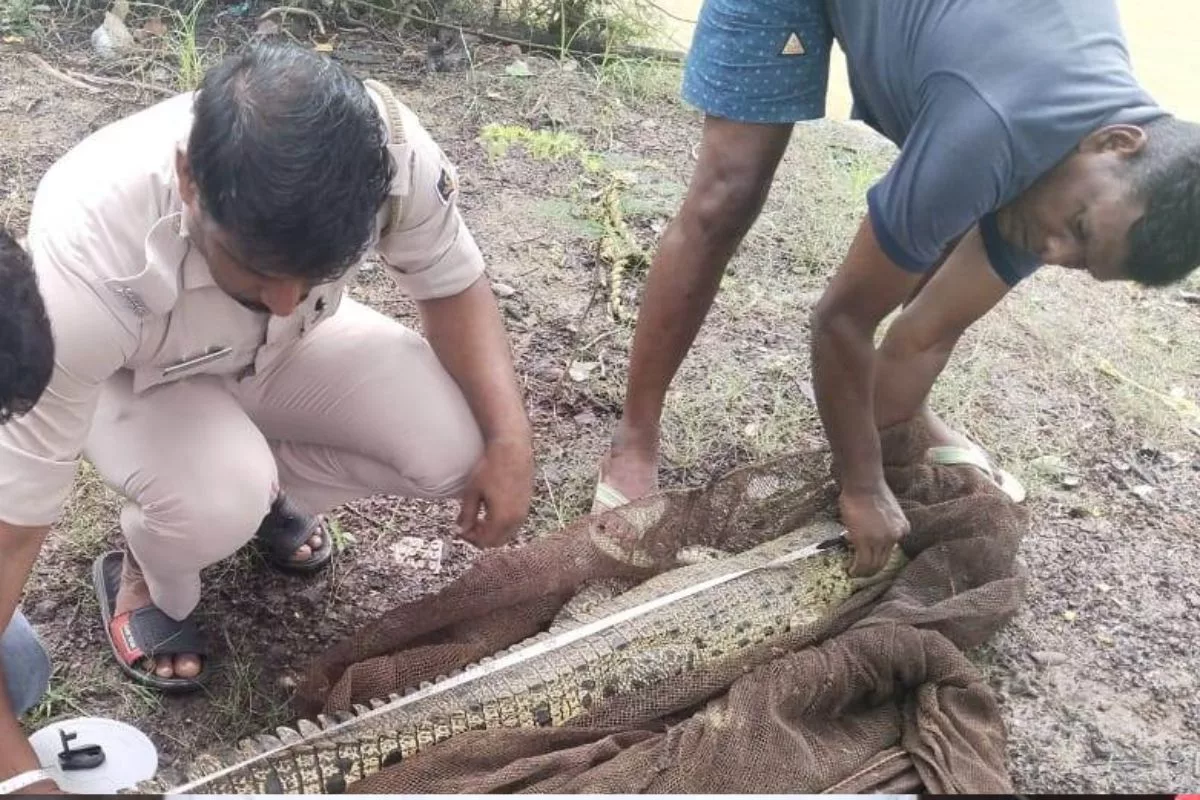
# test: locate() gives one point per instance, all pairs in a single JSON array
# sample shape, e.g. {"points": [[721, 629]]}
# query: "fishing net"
{"points": [[876, 697]]}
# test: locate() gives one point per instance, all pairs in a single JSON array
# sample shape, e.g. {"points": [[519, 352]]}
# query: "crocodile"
{"points": [[677, 621]]}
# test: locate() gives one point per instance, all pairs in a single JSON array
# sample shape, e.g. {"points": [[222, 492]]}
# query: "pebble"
{"points": [[1049, 658], [503, 290]]}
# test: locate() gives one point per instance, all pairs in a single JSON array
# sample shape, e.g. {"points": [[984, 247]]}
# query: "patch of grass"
{"points": [[242, 707], [16, 18], [91, 515], [643, 81], [754, 407], [191, 58], [343, 539], [569, 215], [552, 146], [75, 694]]}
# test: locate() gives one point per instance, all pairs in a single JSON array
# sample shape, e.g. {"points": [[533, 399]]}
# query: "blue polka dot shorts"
{"points": [[763, 61]]}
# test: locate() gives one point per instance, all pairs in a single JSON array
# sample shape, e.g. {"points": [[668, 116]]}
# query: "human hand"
{"points": [[501, 486], [874, 525]]}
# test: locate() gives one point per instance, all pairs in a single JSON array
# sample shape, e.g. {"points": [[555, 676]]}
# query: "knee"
{"points": [[446, 474], [25, 664], [727, 197], [213, 514]]}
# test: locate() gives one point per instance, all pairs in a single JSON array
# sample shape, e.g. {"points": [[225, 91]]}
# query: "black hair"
{"points": [[26, 341], [289, 154], [1164, 245]]}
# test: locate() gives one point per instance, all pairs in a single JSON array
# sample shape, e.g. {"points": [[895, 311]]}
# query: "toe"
{"points": [[315, 542], [303, 553], [163, 667], [187, 665]]}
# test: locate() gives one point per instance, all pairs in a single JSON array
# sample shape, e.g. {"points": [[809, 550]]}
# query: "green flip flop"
{"points": [[974, 456]]}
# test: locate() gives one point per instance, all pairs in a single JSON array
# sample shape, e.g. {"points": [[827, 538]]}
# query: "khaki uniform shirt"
{"points": [[125, 289]]}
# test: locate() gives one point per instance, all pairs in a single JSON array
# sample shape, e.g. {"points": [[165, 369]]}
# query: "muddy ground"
{"points": [[1082, 390]]}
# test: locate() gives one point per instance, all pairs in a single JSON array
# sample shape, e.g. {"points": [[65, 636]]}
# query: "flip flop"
{"points": [[607, 498], [974, 456], [145, 632], [284, 530]]}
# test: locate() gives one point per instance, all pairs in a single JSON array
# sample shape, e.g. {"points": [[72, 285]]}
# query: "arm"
{"points": [[860, 390], [919, 342], [865, 289], [468, 337], [19, 548], [433, 258]]}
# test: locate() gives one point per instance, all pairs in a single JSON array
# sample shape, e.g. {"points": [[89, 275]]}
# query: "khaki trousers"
{"points": [[360, 406]]}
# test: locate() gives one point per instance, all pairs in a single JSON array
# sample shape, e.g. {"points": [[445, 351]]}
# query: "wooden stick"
{"points": [[149, 87], [53, 73]]}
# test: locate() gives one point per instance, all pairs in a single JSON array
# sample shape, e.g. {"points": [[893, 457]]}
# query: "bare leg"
{"points": [[726, 193]]}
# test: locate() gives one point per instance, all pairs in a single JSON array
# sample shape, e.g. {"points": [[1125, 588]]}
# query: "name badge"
{"points": [[198, 361]]}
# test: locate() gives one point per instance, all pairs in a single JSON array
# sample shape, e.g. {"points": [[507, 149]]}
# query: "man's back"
{"points": [[1051, 70]]}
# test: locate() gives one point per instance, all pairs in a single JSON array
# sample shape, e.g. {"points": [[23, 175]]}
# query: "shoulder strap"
{"points": [[396, 126]]}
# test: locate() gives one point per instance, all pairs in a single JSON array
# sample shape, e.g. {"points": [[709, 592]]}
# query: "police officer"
{"points": [[193, 258]]}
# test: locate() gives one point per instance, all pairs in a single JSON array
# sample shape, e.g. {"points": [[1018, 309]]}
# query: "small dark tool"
{"points": [[89, 756]]}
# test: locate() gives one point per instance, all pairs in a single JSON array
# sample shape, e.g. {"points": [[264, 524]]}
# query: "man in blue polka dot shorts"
{"points": [[1024, 139]]}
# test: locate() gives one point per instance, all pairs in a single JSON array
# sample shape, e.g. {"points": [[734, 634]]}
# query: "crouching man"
{"points": [[193, 259]]}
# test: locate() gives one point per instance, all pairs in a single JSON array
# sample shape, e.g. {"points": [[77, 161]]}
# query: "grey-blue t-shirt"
{"points": [[982, 97]]}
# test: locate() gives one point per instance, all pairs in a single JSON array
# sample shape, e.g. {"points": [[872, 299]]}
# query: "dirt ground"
{"points": [[1082, 390]]}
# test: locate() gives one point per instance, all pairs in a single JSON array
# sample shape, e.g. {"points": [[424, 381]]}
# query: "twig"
{"points": [[304, 12], [53, 73], [149, 87], [635, 52], [575, 348]]}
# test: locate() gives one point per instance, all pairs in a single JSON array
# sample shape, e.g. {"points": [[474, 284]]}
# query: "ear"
{"points": [[1124, 140], [187, 184]]}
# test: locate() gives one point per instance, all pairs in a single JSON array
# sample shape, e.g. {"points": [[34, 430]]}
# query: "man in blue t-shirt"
{"points": [[1025, 140]]}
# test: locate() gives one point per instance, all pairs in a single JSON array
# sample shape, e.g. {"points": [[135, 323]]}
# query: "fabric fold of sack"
{"points": [[877, 698]]}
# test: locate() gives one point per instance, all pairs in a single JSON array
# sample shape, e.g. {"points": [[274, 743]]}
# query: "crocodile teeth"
{"points": [[340, 717], [377, 703], [394, 697], [249, 747], [360, 709], [325, 721], [269, 742], [308, 729], [426, 684], [288, 735]]}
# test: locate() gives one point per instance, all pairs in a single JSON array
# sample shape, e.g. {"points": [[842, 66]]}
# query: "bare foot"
{"points": [[941, 434], [134, 594], [304, 552], [631, 465]]}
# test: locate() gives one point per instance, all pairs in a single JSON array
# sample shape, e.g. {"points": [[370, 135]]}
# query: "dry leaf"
{"points": [[155, 27], [267, 27], [323, 47]]}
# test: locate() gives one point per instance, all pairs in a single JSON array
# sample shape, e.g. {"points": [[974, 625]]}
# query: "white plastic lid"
{"points": [[129, 755]]}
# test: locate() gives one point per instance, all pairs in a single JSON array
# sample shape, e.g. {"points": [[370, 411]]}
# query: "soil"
{"points": [[1096, 674]]}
